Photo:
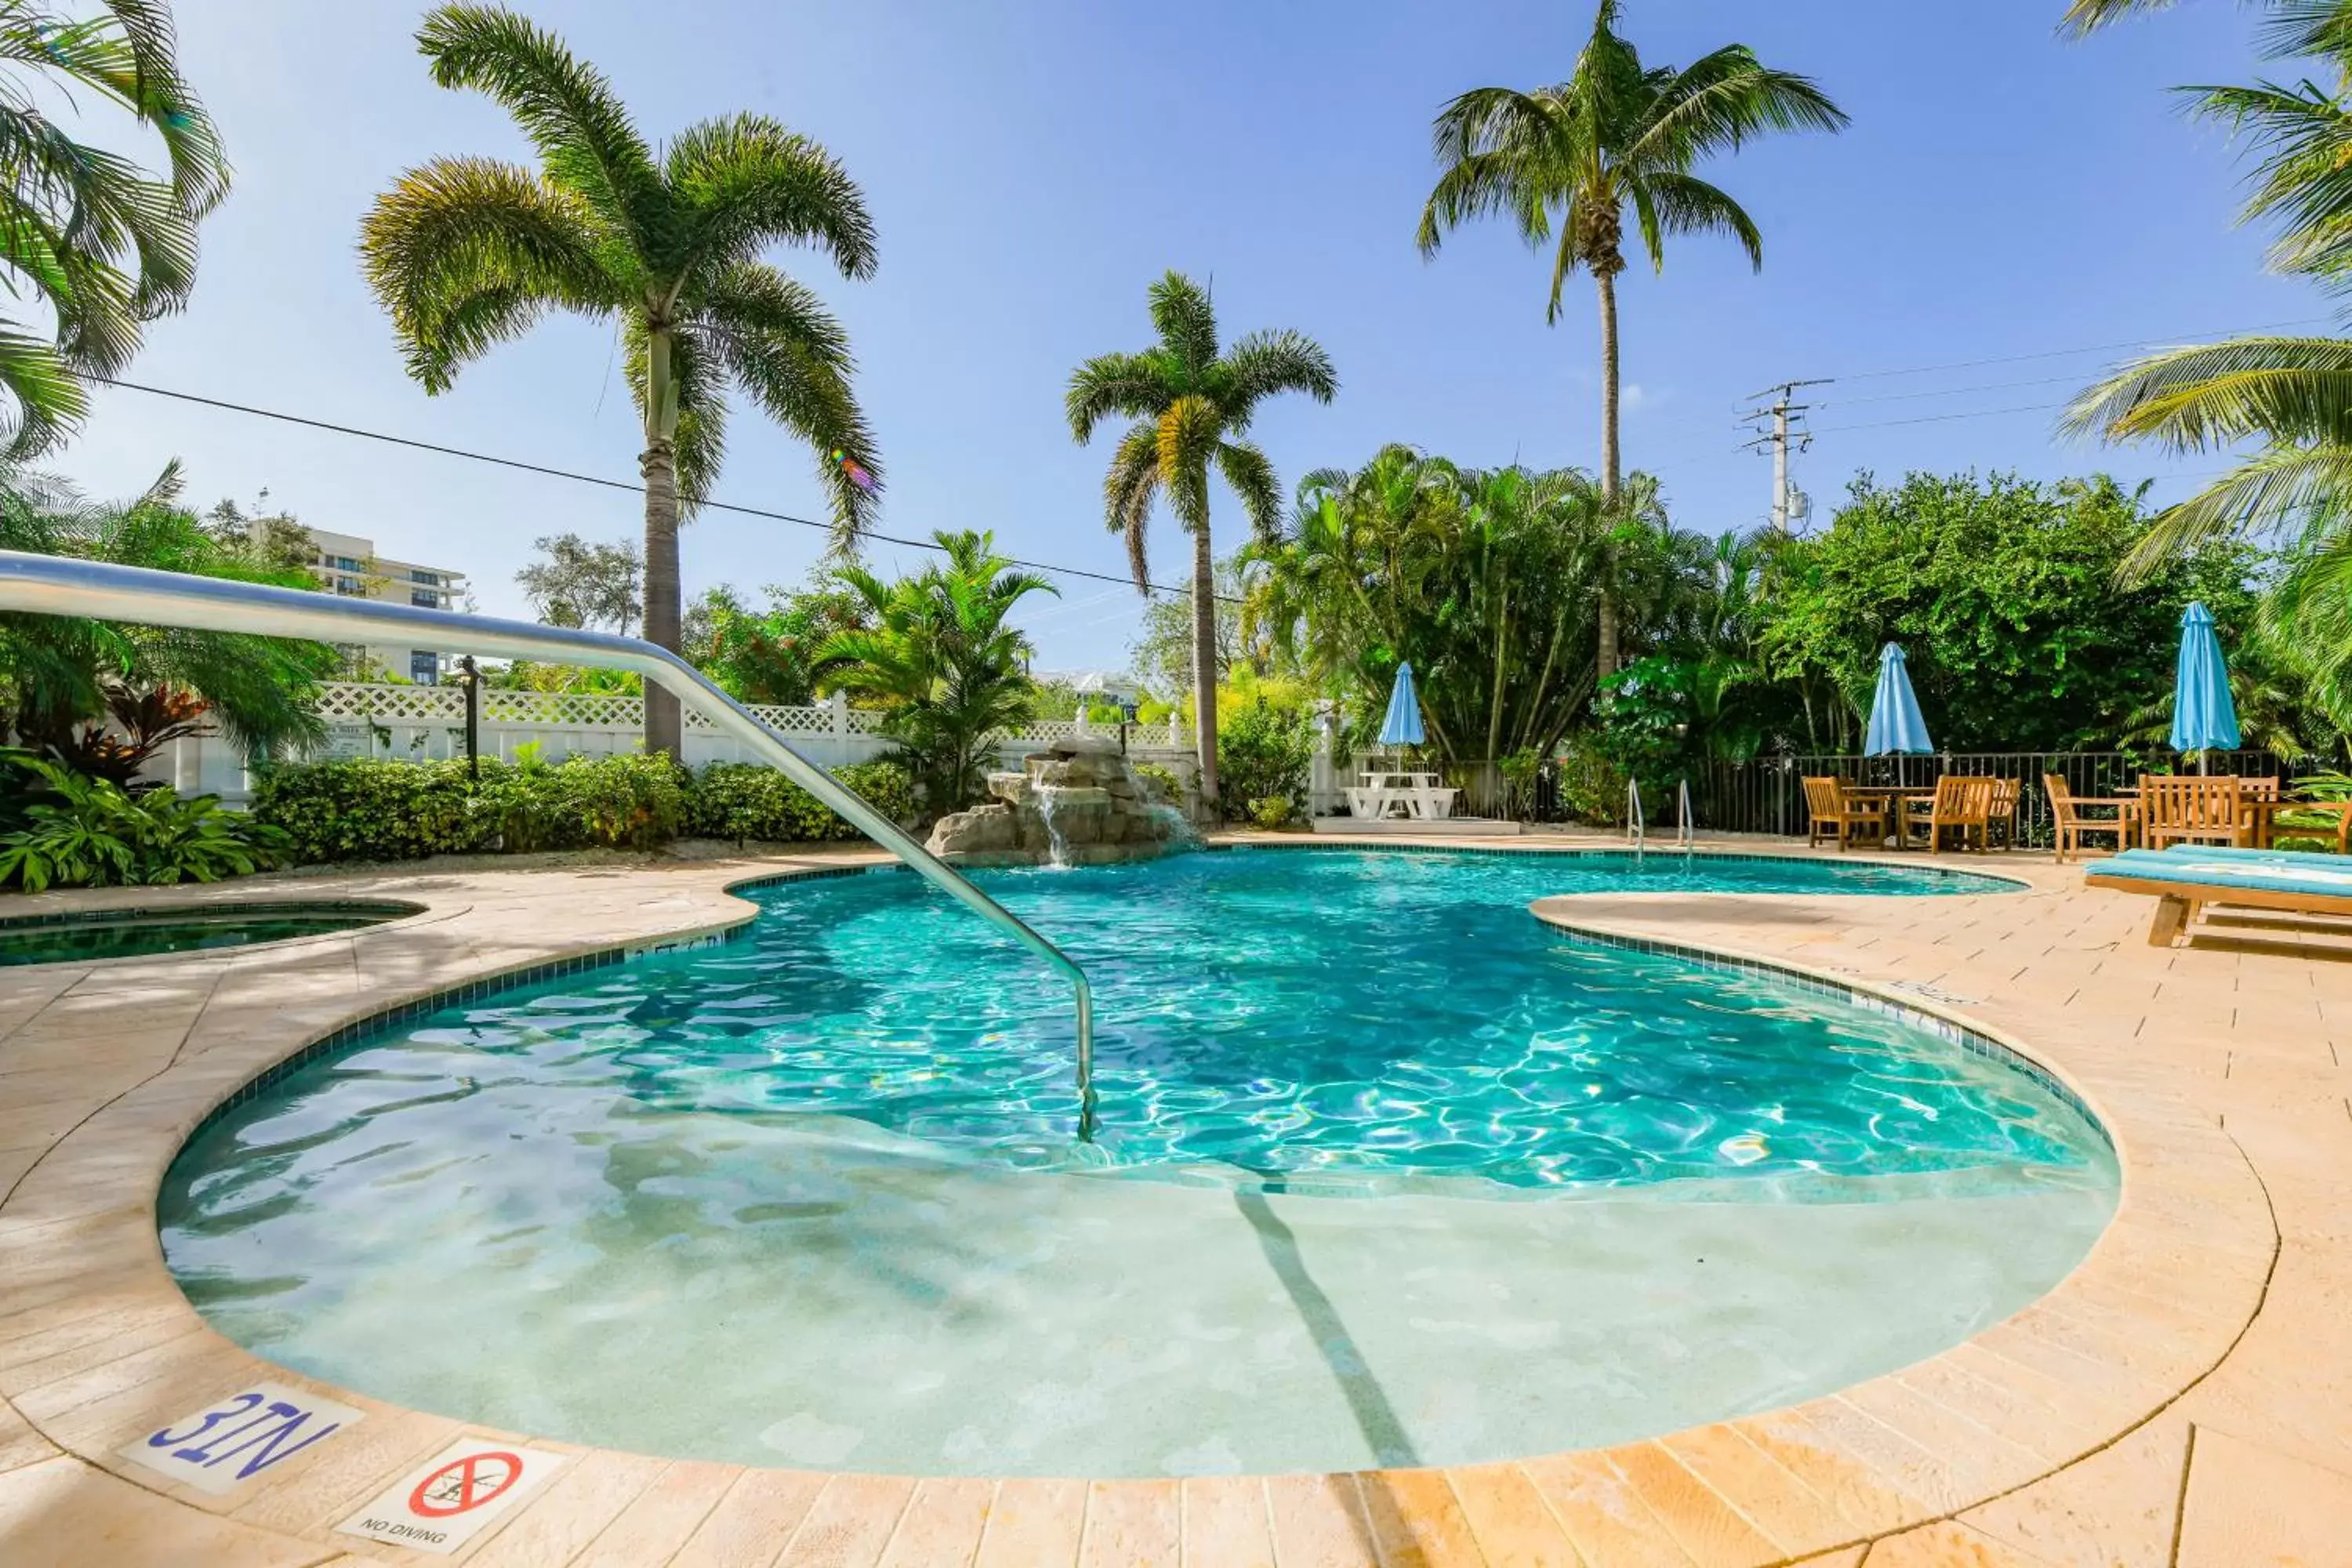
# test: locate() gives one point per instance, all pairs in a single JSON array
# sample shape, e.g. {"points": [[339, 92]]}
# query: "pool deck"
{"points": [[2185, 1397]]}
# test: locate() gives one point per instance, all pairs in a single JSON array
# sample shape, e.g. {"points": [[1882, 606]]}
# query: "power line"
{"points": [[1940, 418], [2087, 349], [2074, 380], [598, 480]]}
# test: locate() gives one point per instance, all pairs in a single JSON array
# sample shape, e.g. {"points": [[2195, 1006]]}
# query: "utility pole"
{"points": [[1789, 505]]}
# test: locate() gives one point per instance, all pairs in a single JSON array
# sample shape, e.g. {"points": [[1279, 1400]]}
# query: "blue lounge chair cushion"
{"points": [[2270, 871]]}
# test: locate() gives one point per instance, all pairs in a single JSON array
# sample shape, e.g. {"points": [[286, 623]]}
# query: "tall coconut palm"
{"points": [[465, 253], [1615, 135], [101, 244], [1192, 406]]}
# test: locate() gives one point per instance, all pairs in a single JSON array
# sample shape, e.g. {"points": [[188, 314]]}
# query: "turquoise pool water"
{"points": [[664, 1205]]}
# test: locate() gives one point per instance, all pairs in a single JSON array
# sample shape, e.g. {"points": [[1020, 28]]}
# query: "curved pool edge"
{"points": [[2112, 1347]]}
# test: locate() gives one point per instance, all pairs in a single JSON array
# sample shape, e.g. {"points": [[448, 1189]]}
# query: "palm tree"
{"points": [[1192, 407], [467, 252], [2292, 395], [87, 232], [1616, 134], [941, 659]]}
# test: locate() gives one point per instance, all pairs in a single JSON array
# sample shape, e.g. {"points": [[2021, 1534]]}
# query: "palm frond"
{"points": [[746, 182], [2086, 17], [1128, 486], [572, 116], [1684, 204], [2301, 490], [2192, 399], [1250, 473], [1187, 438], [792, 359], [1721, 101], [1186, 322], [1265, 363], [1120, 385], [465, 253]]}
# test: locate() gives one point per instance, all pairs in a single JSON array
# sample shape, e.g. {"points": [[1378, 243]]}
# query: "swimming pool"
{"points": [[1386, 1173], [83, 935]]}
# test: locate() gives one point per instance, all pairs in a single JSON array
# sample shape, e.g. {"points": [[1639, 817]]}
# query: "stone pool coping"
{"points": [[2114, 1408]]}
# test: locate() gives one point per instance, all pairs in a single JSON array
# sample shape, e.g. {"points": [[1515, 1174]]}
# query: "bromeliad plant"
{"points": [[91, 832]]}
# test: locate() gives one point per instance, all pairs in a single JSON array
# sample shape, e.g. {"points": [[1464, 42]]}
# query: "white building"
{"points": [[349, 565]]}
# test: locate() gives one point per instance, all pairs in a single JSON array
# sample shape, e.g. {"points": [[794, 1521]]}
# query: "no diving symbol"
{"points": [[465, 1485]]}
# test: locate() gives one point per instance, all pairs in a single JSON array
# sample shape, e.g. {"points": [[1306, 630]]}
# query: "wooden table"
{"points": [[1903, 801]]}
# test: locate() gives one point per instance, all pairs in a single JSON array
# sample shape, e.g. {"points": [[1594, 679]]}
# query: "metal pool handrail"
{"points": [[56, 585]]}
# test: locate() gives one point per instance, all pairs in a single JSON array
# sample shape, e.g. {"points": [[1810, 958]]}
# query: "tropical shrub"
{"points": [[1263, 751], [1273, 811], [367, 810], [940, 661], [1591, 786], [92, 832], [1642, 716], [745, 801]]}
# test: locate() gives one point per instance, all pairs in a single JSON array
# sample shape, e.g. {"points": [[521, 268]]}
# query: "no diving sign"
{"points": [[446, 1502]]}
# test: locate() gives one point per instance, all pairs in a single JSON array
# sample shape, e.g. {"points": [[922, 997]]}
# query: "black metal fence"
{"points": [[1768, 795]]}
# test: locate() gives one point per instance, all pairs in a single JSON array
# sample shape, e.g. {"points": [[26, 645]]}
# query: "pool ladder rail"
{"points": [[1637, 831], [58, 585]]}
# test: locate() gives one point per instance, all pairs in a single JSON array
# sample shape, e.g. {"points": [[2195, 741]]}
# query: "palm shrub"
{"points": [[466, 253], [105, 245], [940, 662], [1192, 406], [91, 833], [64, 677]]}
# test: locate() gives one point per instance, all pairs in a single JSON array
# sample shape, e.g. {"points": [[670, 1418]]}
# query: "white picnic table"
{"points": [[1382, 792]]}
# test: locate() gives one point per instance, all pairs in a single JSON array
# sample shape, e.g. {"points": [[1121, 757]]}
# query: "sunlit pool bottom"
{"points": [[82, 936], [1388, 1175]]}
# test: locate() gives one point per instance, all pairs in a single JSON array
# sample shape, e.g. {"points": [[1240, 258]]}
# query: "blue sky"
{"points": [[1032, 167]]}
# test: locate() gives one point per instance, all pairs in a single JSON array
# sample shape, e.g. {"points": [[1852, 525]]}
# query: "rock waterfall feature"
{"points": [[1074, 803]]}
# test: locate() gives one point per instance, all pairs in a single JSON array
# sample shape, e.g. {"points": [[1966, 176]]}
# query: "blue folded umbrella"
{"points": [[2203, 717], [1897, 727], [1402, 725]]}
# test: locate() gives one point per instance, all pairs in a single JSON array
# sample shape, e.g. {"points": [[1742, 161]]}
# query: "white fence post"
{"points": [[839, 704]]}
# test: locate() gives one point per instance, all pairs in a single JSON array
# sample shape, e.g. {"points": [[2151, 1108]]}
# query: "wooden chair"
{"points": [[2001, 821], [1963, 806], [2177, 808], [1837, 815], [2069, 823]]}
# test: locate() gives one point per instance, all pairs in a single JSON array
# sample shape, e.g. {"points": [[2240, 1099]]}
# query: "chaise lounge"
{"points": [[2184, 880]]}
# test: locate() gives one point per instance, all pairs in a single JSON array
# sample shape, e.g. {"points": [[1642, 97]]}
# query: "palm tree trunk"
{"points": [[1604, 657], [1204, 667], [1502, 662], [665, 726], [1604, 276], [1605, 279]]}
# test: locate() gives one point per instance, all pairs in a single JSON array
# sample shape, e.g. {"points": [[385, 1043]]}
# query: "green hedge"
{"points": [[744, 800], [407, 810]]}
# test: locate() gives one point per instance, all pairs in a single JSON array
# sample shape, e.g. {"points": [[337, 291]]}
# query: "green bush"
{"points": [[745, 801], [367, 810], [1160, 785], [1264, 751], [405, 811], [91, 833], [1591, 785], [1272, 811]]}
